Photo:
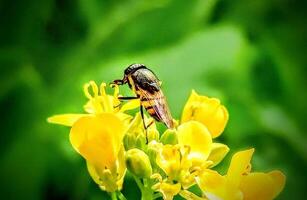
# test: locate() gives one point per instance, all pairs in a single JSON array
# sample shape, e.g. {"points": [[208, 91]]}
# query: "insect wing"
{"points": [[156, 105]]}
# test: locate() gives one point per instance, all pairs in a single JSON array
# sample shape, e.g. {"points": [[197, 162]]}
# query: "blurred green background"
{"points": [[250, 54]]}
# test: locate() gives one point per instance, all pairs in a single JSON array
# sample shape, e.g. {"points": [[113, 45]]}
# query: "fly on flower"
{"points": [[145, 84]]}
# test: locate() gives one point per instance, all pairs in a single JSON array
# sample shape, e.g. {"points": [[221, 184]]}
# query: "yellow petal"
{"points": [[130, 105], [121, 168], [208, 111], [197, 137], [239, 165], [262, 186], [93, 173], [218, 152], [191, 196], [136, 125], [215, 186], [168, 159], [98, 139], [210, 181], [279, 181], [125, 118], [65, 119], [169, 190]]}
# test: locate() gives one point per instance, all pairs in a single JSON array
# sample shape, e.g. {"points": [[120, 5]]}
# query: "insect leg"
{"points": [[127, 98], [142, 115], [116, 106], [117, 82], [124, 98], [152, 121]]}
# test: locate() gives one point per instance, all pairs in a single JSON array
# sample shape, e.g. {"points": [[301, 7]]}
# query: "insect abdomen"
{"points": [[149, 105]]}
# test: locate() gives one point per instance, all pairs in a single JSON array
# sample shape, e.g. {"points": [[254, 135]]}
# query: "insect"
{"points": [[147, 87]]}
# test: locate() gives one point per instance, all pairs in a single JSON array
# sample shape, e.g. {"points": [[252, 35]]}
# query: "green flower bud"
{"points": [[129, 141], [152, 154], [169, 137], [141, 141], [153, 134], [138, 163]]}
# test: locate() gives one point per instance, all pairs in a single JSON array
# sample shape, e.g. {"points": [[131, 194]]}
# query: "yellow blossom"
{"points": [[197, 137], [182, 162], [168, 189], [239, 183], [98, 102], [99, 140], [208, 111], [169, 160], [176, 161]]}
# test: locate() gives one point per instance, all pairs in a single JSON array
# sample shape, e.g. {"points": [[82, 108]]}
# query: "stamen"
{"points": [[103, 89], [116, 91], [86, 92], [94, 88], [156, 176]]}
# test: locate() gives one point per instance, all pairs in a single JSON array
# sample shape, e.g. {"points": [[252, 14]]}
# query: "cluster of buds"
{"points": [[179, 161]]}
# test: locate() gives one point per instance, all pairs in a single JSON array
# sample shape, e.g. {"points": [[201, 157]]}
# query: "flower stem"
{"points": [[139, 183], [121, 196], [113, 195], [146, 191], [156, 195]]}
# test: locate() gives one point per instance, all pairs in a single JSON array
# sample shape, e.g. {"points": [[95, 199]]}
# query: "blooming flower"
{"points": [[112, 141], [97, 136], [208, 111], [182, 162], [98, 102], [99, 140], [239, 183], [199, 148]]}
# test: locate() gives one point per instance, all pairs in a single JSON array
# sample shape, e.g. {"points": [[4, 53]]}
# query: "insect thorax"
{"points": [[132, 68]]}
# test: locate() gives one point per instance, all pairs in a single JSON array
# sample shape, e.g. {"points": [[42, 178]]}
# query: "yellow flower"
{"points": [[182, 158], [99, 140], [239, 183], [168, 189], [169, 160], [182, 162], [98, 102], [197, 137], [208, 111]]}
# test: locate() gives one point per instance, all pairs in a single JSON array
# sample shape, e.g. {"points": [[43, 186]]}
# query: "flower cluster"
{"points": [[112, 142]]}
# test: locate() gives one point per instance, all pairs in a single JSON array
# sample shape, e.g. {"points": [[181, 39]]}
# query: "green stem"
{"points": [[146, 190], [121, 196], [156, 195], [139, 183], [113, 195]]}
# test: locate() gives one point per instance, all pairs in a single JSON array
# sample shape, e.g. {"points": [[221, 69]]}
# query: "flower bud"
{"points": [[152, 154], [152, 134], [169, 137], [138, 163], [141, 141], [129, 141]]}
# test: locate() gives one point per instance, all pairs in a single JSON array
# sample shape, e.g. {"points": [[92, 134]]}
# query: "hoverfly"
{"points": [[145, 84]]}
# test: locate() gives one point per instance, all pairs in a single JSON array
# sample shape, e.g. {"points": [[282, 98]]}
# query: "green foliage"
{"points": [[249, 54]]}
